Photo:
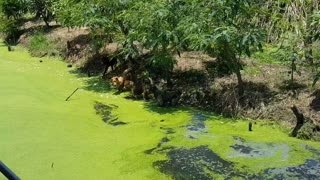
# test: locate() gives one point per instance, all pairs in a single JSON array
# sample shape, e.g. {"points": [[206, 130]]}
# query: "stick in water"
{"points": [[72, 94]]}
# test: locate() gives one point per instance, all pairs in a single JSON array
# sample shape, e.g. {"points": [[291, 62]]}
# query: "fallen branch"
{"points": [[72, 94]]}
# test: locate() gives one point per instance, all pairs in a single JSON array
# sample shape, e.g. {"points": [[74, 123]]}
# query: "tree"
{"points": [[70, 13], [98, 15], [13, 8], [224, 29], [10, 12], [154, 26], [43, 9], [291, 17], [9, 28]]}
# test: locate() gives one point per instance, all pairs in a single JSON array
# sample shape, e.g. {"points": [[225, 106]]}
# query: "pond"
{"points": [[98, 135]]}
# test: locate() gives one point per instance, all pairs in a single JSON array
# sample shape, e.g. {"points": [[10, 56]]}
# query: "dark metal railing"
{"points": [[7, 172]]}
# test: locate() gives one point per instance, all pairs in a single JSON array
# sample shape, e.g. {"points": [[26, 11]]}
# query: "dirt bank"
{"points": [[267, 94]]}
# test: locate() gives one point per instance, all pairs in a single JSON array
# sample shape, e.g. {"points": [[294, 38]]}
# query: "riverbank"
{"points": [[44, 137], [197, 77]]}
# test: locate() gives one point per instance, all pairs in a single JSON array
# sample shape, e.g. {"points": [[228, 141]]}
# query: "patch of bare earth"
{"points": [[267, 93], [78, 39]]}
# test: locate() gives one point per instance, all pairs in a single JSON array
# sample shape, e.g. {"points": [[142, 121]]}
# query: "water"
{"points": [[98, 135]]}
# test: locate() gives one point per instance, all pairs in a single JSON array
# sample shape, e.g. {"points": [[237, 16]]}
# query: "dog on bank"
{"points": [[138, 88], [121, 83]]}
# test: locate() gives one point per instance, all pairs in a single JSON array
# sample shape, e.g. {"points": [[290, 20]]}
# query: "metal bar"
{"points": [[7, 172]]}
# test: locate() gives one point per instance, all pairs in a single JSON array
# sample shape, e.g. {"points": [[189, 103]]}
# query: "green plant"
{"points": [[10, 12], [9, 28], [40, 46], [43, 9], [217, 27], [13, 8]]}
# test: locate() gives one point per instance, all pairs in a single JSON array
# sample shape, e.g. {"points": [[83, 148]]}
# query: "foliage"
{"points": [[68, 13], [316, 26], [40, 45], [295, 17], [9, 28], [10, 12], [292, 55], [154, 26], [218, 29], [13, 8], [43, 9], [271, 54]]}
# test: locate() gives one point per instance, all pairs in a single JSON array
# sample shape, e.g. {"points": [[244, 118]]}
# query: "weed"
{"points": [[40, 46]]}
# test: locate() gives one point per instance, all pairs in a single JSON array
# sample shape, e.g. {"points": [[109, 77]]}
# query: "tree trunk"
{"points": [[300, 120], [38, 15], [240, 82], [239, 77], [292, 71], [46, 21]]}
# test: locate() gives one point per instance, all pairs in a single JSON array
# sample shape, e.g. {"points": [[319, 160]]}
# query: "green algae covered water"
{"points": [[98, 135]]}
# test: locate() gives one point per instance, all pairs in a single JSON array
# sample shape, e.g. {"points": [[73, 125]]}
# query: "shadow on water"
{"points": [[97, 84], [242, 148], [154, 107], [78, 72], [310, 169], [94, 83], [107, 115], [203, 163], [198, 163]]}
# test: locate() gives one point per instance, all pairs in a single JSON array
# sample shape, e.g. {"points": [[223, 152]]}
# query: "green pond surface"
{"points": [[42, 136]]}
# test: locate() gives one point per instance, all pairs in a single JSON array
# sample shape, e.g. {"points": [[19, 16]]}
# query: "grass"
{"points": [[252, 70], [40, 46], [271, 55]]}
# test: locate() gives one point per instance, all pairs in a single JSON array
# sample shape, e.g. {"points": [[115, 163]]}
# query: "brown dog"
{"points": [[121, 83]]}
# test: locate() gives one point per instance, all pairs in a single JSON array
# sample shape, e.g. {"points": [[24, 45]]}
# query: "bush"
{"points": [[40, 46], [13, 8], [160, 64], [9, 29], [271, 55]]}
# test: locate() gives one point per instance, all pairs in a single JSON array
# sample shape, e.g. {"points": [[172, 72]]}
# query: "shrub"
{"points": [[9, 29], [40, 46]]}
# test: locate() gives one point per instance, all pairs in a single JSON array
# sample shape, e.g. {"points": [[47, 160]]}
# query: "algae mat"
{"points": [[97, 135], [44, 137]]}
